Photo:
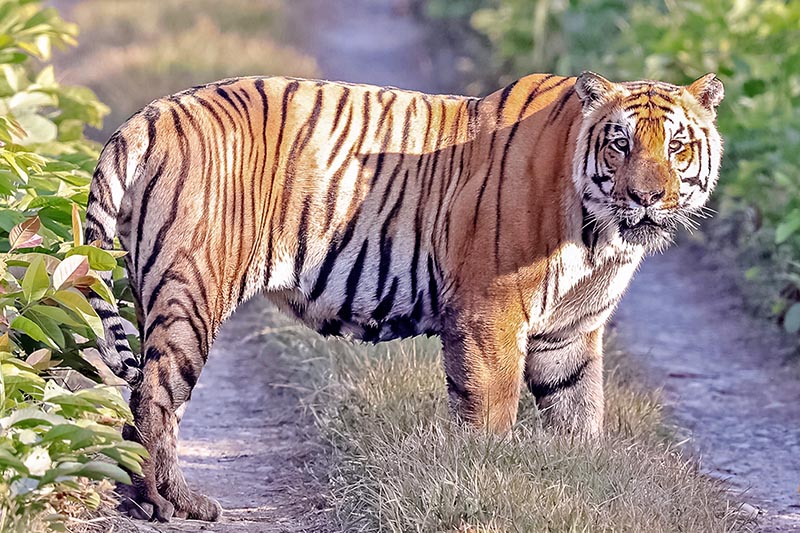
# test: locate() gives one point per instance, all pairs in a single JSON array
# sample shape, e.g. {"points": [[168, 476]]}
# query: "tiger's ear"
{"points": [[708, 90], [592, 90]]}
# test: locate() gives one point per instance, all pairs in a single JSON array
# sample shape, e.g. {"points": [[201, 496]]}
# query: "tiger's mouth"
{"points": [[645, 221], [647, 231]]}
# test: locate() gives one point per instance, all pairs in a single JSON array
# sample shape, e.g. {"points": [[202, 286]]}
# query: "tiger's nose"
{"points": [[646, 198]]}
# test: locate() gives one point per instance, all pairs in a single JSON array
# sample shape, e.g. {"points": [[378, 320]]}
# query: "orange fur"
{"points": [[508, 225]]}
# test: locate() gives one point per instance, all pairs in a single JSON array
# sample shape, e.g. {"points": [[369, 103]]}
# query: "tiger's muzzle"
{"points": [[650, 227]]}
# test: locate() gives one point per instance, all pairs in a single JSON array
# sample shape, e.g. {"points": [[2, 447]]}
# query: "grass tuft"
{"points": [[400, 464]]}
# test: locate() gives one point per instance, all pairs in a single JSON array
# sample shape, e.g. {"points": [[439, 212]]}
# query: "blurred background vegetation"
{"points": [[752, 45], [128, 60]]}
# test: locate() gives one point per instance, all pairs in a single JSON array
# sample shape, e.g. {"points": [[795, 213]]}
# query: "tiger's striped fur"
{"points": [[509, 225]]}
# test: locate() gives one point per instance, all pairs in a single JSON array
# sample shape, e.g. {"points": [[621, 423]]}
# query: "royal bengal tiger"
{"points": [[508, 225]]}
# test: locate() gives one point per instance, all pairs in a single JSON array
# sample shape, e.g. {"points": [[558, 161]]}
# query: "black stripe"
{"points": [[543, 390], [288, 93], [336, 246], [333, 190], [340, 109], [351, 286], [302, 239], [385, 245], [385, 306], [433, 288], [295, 154]]}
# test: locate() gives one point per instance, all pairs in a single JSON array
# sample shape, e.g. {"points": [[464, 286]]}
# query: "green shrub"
{"points": [[53, 440]]}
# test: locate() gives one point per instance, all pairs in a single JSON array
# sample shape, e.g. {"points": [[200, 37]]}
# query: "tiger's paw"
{"points": [[135, 504], [200, 507]]}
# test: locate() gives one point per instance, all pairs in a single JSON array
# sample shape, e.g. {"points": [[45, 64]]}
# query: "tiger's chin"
{"points": [[651, 235]]}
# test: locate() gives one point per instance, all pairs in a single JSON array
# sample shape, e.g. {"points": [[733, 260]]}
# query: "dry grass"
{"points": [[129, 59], [399, 464]]}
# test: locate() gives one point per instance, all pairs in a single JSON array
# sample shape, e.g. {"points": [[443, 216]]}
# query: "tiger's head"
{"points": [[648, 154]]}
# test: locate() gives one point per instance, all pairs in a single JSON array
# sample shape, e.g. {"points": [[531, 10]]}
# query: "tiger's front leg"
{"points": [[484, 366], [565, 375]]}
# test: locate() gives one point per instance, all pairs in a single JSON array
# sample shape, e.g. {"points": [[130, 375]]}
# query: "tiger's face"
{"points": [[648, 155]]}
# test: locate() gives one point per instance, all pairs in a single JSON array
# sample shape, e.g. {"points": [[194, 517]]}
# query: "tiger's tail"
{"points": [[105, 197]]}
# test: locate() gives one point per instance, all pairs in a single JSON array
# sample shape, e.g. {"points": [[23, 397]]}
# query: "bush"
{"points": [[52, 438], [753, 46]]}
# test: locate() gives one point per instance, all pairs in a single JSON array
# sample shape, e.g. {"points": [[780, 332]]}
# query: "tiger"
{"points": [[508, 225]]}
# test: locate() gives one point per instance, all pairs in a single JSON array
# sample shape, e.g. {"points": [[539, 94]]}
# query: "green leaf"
{"points": [[99, 470], [36, 281], [128, 460], [99, 259], [103, 291], [791, 320], [65, 432], [754, 87], [49, 326], [788, 227], [8, 460], [31, 417], [32, 330], [57, 314], [77, 303]]}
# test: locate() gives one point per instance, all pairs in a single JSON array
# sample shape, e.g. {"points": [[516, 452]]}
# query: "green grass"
{"points": [[399, 464]]}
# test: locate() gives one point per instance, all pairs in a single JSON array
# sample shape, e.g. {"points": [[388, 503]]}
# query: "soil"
{"points": [[245, 440], [728, 379]]}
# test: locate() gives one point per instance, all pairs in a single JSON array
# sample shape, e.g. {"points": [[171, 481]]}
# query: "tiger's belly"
{"points": [[369, 323]]}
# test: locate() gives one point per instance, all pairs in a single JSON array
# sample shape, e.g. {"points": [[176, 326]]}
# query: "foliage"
{"points": [[399, 463], [51, 438], [753, 46]]}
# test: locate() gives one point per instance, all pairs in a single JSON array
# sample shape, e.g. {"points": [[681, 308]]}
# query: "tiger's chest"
{"points": [[583, 289]]}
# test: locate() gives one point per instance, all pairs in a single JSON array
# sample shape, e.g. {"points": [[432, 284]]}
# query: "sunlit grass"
{"points": [[400, 464], [129, 59]]}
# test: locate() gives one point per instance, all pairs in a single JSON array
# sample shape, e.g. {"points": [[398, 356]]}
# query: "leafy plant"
{"points": [[54, 438]]}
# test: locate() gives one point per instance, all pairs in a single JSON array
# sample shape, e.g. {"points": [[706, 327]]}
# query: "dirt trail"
{"points": [[724, 377], [245, 440]]}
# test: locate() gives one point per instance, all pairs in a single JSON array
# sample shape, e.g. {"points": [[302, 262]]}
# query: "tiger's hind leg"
{"points": [[176, 343], [566, 378]]}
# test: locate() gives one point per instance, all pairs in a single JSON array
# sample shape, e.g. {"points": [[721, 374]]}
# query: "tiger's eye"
{"points": [[621, 144], [675, 146]]}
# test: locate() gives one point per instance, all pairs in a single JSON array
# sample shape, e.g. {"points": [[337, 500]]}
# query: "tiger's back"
{"points": [[301, 174]]}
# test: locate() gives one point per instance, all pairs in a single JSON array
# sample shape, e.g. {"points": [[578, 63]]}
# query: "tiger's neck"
{"points": [[522, 225]]}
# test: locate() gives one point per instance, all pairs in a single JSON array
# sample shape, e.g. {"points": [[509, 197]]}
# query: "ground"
{"points": [[725, 375], [246, 440]]}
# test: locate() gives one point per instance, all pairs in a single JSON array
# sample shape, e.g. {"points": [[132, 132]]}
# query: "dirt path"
{"points": [[246, 441], [723, 375]]}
